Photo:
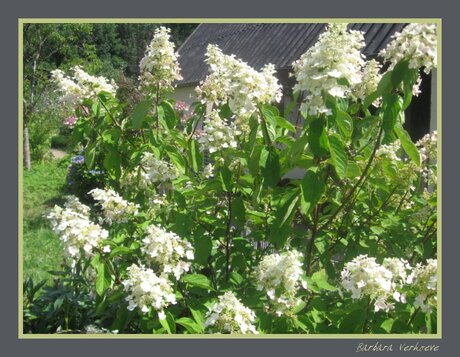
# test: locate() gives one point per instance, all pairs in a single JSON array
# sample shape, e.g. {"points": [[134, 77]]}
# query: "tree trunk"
{"points": [[26, 147]]}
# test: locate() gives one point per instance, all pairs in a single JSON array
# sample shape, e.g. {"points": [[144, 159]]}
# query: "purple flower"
{"points": [[78, 160]]}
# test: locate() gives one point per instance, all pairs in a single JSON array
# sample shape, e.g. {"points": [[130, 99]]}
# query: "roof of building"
{"points": [[262, 43]]}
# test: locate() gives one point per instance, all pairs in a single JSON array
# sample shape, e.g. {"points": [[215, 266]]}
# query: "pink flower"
{"points": [[70, 121]]}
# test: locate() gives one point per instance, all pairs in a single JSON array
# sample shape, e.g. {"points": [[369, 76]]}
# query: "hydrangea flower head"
{"points": [[168, 250], [280, 276], [234, 82], [115, 208], [218, 134], [75, 229], [81, 86], [363, 276], [159, 68], [229, 315], [146, 290], [425, 284], [333, 65]]}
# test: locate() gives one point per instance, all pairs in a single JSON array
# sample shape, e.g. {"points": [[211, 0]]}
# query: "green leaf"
{"points": [[198, 280], [190, 325], [407, 144], [387, 325], [90, 154], [111, 136], [112, 163], [345, 124], [399, 72], [280, 229], [198, 316], [120, 251], [177, 159], [103, 279], [353, 170], [203, 247], [167, 115], [196, 155], [320, 278], [226, 178], [353, 322], [338, 155], [168, 323], [312, 186], [392, 106], [270, 166], [270, 113], [385, 85], [317, 139], [371, 98], [238, 210], [283, 123], [140, 112]]}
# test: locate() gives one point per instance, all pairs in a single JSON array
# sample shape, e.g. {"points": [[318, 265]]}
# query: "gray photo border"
{"points": [[11, 12]]}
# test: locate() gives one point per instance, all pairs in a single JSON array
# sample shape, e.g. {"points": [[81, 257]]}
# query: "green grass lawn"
{"points": [[43, 187]]}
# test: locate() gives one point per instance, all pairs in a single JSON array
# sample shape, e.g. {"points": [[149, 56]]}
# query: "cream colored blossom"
{"points": [[172, 253], [115, 208], [280, 276], [371, 78], [229, 315], [146, 290], [333, 65], [81, 86], [425, 284], [234, 82], [76, 231], [363, 276], [218, 134], [416, 43], [160, 66]]}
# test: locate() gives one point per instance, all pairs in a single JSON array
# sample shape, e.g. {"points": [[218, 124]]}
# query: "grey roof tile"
{"points": [[262, 43]]}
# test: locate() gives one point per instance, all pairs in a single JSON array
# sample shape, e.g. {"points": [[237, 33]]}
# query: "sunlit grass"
{"points": [[43, 188]]}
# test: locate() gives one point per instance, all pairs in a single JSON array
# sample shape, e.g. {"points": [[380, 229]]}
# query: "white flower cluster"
{"points": [[333, 65], [425, 284], [428, 146], [81, 86], [160, 67], [208, 171], [75, 229], [94, 329], [416, 43], [363, 276], [280, 275], [231, 316], [370, 79], [154, 170], [115, 208], [168, 250], [146, 290], [234, 82], [390, 151], [218, 134]]}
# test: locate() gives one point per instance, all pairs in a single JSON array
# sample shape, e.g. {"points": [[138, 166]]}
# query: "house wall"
{"points": [[185, 94]]}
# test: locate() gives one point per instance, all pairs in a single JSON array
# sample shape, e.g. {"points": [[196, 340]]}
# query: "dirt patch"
{"points": [[58, 154]]}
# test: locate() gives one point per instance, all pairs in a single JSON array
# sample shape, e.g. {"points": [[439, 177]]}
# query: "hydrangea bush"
{"points": [[200, 230]]}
